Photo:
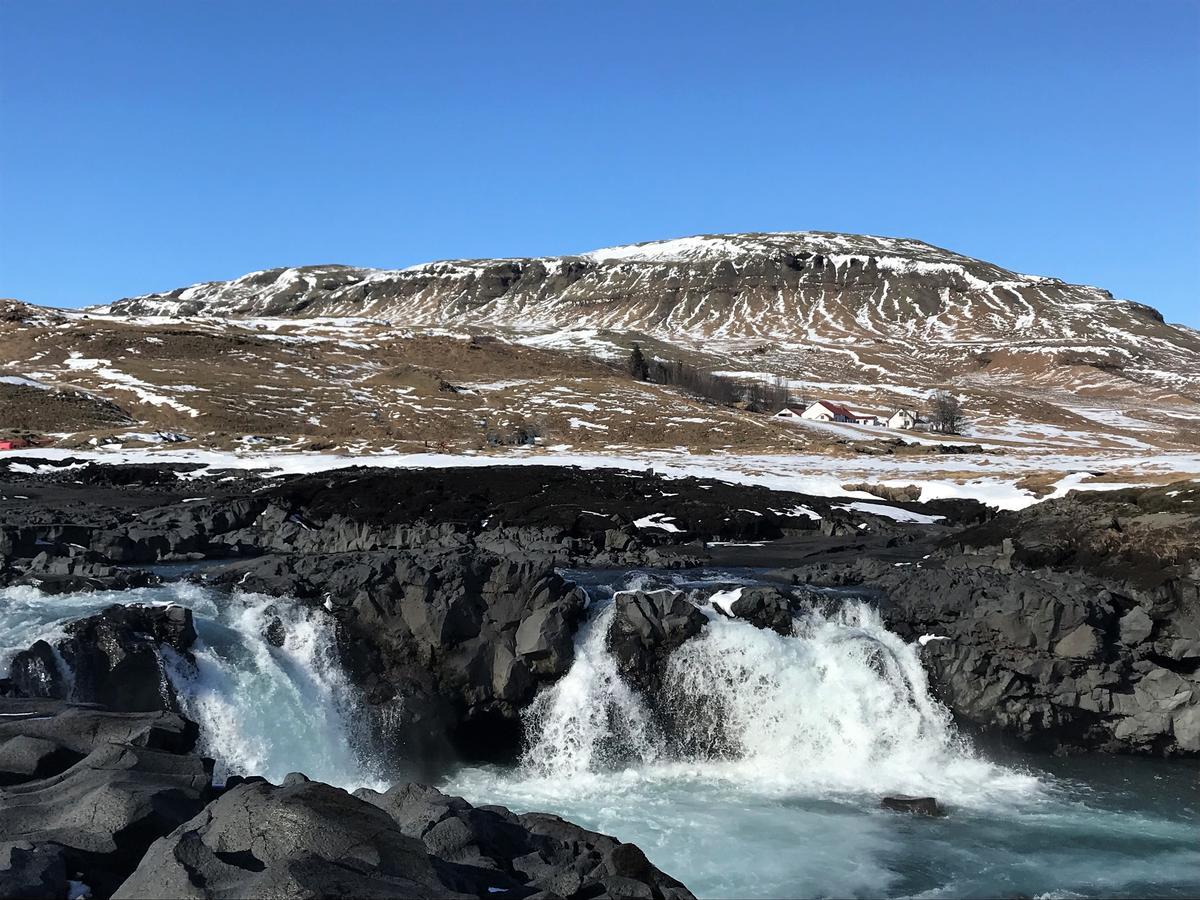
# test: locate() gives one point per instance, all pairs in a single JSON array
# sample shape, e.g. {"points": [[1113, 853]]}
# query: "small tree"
{"points": [[945, 413], [638, 367]]}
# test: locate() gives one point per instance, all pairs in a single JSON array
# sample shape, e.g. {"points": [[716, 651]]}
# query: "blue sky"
{"points": [[148, 145]]}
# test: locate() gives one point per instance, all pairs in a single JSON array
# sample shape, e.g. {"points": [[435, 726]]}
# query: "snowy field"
{"points": [[992, 479]]}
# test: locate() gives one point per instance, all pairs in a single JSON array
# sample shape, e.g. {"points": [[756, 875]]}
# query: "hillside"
{"points": [[893, 297], [495, 355]]}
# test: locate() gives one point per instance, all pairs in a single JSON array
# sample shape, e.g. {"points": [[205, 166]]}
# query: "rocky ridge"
{"points": [[120, 805]]}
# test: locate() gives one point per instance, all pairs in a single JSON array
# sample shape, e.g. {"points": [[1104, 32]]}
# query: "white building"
{"points": [[828, 411], [904, 419]]}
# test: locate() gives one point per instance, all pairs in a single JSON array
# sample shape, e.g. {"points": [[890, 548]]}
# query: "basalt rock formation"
{"points": [[304, 838], [86, 790], [114, 658], [120, 803], [447, 647], [1073, 624]]}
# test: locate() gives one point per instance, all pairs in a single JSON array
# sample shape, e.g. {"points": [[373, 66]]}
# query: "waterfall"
{"points": [[262, 709], [268, 710], [842, 705], [589, 720]]}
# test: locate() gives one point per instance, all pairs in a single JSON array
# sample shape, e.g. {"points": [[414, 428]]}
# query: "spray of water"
{"points": [[590, 720], [268, 710], [840, 706], [262, 709]]}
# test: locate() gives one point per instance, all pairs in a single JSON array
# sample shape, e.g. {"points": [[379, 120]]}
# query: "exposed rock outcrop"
{"points": [[1073, 624], [305, 838], [114, 658], [646, 629], [87, 790], [448, 648]]}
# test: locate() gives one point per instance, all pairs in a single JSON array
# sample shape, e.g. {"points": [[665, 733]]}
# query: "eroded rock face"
{"points": [[1074, 624], [300, 839], [646, 629], [492, 847], [86, 790], [447, 647], [114, 658], [765, 607], [304, 838], [1045, 657]]}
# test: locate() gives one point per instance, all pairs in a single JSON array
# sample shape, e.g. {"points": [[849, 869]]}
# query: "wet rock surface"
{"points": [[1071, 625], [86, 790], [120, 802], [114, 658], [646, 628], [447, 647], [917, 806], [309, 839]]}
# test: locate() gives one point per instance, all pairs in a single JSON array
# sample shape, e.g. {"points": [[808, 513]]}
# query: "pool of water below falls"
{"points": [[790, 743]]}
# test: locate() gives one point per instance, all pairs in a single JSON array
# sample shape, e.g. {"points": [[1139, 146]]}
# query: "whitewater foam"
{"points": [[842, 706]]}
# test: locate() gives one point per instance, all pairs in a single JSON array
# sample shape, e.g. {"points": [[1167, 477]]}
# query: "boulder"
{"points": [[1063, 630], [765, 607], [300, 839], [1082, 643], [113, 658], [646, 628], [917, 806], [78, 801], [79, 729], [32, 872], [496, 851], [1136, 627]]}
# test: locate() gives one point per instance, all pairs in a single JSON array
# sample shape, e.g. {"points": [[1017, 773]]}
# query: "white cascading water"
{"points": [[299, 720], [842, 705], [590, 720], [790, 741], [262, 710]]}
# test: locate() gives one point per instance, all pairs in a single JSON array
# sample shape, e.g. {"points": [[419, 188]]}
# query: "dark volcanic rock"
{"points": [[917, 806], [112, 658], [491, 847], [646, 629], [766, 607], [69, 570], [1073, 624], [309, 839], [130, 515], [448, 647], [302, 839], [87, 790], [32, 872], [80, 729]]}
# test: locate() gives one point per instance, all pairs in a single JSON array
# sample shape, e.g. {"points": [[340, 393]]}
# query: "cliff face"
{"points": [[834, 307], [744, 285]]}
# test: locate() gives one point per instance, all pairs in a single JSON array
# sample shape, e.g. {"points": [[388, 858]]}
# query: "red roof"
{"points": [[837, 409]]}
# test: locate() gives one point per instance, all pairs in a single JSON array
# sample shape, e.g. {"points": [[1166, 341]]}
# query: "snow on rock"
{"points": [[894, 513], [23, 382], [658, 520], [724, 600]]}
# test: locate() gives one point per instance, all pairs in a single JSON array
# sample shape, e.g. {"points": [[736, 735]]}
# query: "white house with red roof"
{"points": [[828, 411]]}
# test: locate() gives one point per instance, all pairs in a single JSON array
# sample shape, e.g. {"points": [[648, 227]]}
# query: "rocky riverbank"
{"points": [[1072, 625], [119, 804]]}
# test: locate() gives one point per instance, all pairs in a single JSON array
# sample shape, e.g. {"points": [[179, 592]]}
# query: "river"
{"points": [[771, 786]]}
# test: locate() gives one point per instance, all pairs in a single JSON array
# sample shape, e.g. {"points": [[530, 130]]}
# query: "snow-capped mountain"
{"points": [[890, 303], [788, 285], [389, 358]]}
